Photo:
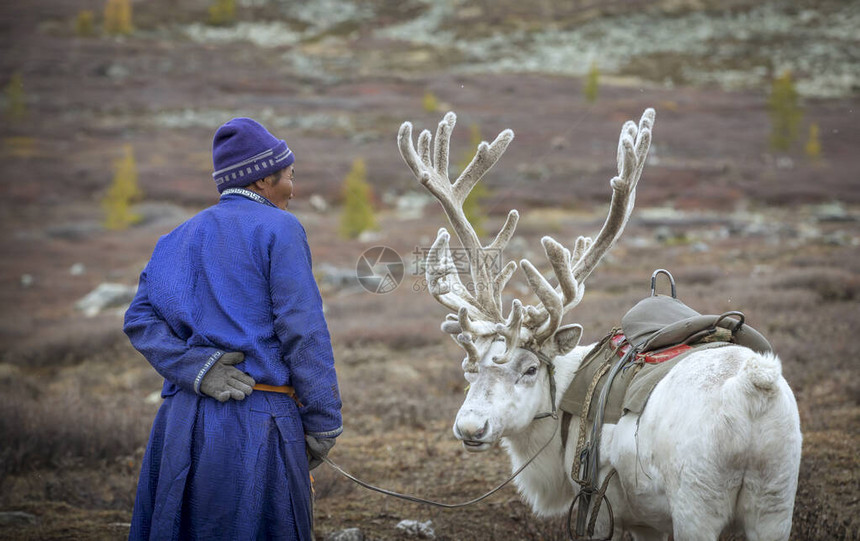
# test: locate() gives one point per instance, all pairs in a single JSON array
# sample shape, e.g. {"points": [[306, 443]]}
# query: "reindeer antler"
{"points": [[572, 269], [481, 313], [484, 306], [433, 174]]}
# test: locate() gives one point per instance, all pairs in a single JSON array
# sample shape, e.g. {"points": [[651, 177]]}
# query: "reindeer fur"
{"points": [[716, 448]]}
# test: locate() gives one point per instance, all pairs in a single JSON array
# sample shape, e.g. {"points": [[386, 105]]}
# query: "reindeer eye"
{"points": [[531, 371]]}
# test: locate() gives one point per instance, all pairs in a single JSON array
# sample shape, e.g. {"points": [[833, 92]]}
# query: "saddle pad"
{"points": [[632, 386], [643, 384], [574, 397]]}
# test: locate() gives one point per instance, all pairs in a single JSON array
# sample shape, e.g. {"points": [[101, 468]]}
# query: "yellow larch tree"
{"points": [[357, 215], [118, 17], [122, 192], [785, 112]]}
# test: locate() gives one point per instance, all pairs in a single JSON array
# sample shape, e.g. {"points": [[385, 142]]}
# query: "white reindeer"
{"points": [[716, 448]]}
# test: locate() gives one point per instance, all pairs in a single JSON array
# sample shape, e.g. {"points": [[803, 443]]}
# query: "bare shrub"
{"points": [[703, 276], [831, 284], [74, 341], [66, 429]]}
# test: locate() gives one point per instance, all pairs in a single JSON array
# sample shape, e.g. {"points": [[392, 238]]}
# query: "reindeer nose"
{"points": [[470, 431]]}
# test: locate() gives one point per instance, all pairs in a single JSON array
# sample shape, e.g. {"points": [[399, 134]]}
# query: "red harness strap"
{"points": [[651, 357]]}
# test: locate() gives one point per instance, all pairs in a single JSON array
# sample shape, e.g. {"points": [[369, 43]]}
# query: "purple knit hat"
{"points": [[244, 151]]}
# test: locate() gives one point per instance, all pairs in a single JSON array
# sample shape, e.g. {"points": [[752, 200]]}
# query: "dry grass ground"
{"points": [[74, 431]]}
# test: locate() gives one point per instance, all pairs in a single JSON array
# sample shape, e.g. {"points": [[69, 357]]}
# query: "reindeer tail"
{"points": [[757, 382]]}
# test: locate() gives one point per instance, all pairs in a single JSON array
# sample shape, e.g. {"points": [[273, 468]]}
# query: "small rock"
{"points": [[833, 212], [411, 205], [76, 230], [27, 280], [423, 530], [13, 518], [106, 295], [837, 238], [153, 398], [784, 162], [336, 277], [663, 234], [318, 203], [349, 534], [161, 214], [77, 269], [369, 236], [117, 72]]}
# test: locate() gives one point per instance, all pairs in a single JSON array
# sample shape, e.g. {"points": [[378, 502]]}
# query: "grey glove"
{"points": [[223, 381], [317, 449]]}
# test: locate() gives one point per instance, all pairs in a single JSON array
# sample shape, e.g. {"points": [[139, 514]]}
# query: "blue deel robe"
{"points": [[236, 277]]}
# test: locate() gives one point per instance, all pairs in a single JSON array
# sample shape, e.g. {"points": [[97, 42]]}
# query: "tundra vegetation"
{"points": [[591, 88], [117, 18], [16, 104], [123, 191], [222, 12], [357, 215], [785, 112], [85, 25]]}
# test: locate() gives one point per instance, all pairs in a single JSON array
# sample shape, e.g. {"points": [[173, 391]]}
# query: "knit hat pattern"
{"points": [[243, 151]]}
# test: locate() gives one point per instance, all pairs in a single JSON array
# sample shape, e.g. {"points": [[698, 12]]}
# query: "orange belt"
{"points": [[283, 389]]}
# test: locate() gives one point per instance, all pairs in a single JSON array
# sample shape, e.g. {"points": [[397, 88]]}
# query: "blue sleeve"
{"points": [[168, 353], [303, 332]]}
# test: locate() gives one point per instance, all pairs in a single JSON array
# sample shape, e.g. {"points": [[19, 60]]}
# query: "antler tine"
{"points": [[501, 280], [407, 151], [465, 338], [506, 232], [424, 148], [580, 246], [555, 302], [633, 145], [511, 330], [473, 357], [546, 318], [443, 143], [485, 158]]}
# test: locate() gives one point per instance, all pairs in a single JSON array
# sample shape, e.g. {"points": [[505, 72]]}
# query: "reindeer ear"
{"points": [[566, 338]]}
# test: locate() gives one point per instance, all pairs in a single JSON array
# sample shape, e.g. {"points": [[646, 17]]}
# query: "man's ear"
{"points": [[260, 184]]}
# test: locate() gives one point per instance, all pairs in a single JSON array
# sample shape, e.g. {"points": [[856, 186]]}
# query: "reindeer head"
{"points": [[508, 356]]}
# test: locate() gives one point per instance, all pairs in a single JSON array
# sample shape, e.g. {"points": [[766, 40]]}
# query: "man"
{"points": [[228, 312]]}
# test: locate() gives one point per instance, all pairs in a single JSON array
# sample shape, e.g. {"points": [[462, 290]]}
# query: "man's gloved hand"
{"points": [[223, 381], [317, 449]]}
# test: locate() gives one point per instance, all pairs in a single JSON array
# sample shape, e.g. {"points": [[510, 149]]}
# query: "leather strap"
{"points": [[283, 389], [566, 417]]}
